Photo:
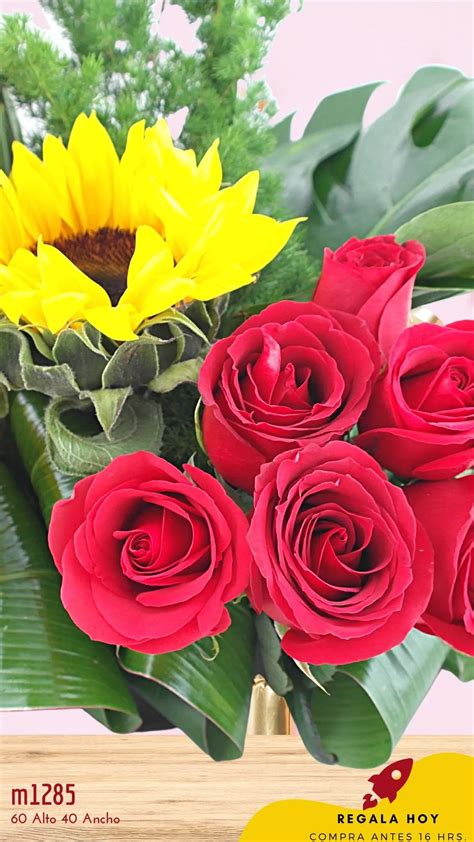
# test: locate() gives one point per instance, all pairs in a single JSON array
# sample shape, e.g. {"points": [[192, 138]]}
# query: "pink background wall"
{"points": [[326, 47]]}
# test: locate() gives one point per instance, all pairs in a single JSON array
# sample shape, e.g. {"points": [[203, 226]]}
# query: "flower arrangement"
{"points": [[303, 536]]}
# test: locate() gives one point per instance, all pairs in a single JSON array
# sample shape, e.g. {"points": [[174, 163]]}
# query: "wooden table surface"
{"points": [[164, 788]]}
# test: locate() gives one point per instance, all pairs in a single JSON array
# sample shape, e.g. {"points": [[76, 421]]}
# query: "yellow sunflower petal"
{"points": [[115, 322], [93, 151], [63, 175], [209, 171], [229, 204], [59, 310], [160, 132], [261, 238], [176, 222], [35, 197], [161, 294], [217, 282], [142, 173], [22, 304], [59, 275], [22, 272], [11, 234], [152, 256], [242, 195]]}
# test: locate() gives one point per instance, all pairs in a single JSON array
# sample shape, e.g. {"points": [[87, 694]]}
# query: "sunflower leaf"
{"points": [[182, 372], [77, 448], [108, 405]]}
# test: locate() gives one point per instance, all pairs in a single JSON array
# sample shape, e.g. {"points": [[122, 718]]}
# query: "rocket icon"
{"points": [[388, 782]]}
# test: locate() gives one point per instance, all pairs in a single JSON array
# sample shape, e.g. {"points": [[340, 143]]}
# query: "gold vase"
{"points": [[269, 712]]}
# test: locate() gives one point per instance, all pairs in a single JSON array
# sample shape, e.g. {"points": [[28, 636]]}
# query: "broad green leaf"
{"points": [[369, 704], [9, 129], [334, 126], [208, 699], [4, 405], [29, 433], [460, 664], [299, 701], [447, 232], [426, 295], [270, 656], [416, 156], [78, 448], [47, 662]]}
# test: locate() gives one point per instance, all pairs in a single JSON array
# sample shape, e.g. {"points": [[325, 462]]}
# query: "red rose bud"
{"points": [[338, 555], [373, 279], [420, 419], [292, 374], [446, 510], [149, 555]]}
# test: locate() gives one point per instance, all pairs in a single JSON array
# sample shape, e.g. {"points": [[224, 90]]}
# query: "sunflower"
{"points": [[86, 236]]}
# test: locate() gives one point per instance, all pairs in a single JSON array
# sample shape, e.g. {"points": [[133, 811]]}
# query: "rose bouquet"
{"points": [[317, 532]]}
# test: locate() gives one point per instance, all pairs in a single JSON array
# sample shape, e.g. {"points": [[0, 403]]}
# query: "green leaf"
{"points": [[9, 129], [447, 233], [74, 349], [370, 703], [181, 372], [334, 125], [270, 654], [4, 403], [29, 433], [77, 448], [416, 156], [461, 665], [208, 699], [134, 363], [46, 661], [300, 704], [108, 405], [425, 295]]}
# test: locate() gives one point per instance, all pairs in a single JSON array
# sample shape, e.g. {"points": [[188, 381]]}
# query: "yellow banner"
{"points": [[430, 800]]}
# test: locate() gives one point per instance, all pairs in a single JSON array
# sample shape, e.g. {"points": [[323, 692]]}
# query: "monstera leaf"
{"points": [[416, 156], [362, 182], [447, 234], [331, 133]]}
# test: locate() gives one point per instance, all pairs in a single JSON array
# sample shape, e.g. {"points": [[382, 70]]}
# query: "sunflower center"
{"points": [[104, 255]]}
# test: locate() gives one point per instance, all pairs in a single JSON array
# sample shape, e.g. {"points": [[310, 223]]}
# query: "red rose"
{"points": [[338, 555], [148, 555], [420, 420], [292, 374], [374, 279], [446, 510]]}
